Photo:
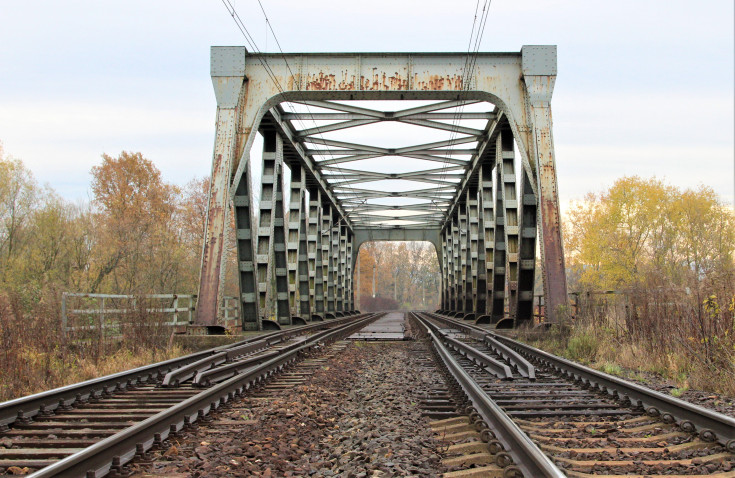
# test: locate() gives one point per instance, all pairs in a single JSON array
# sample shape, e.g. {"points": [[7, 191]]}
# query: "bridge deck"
{"points": [[391, 326]]}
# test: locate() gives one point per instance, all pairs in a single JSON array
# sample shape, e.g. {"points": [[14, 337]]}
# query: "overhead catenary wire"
{"points": [[468, 69], [264, 62], [476, 34]]}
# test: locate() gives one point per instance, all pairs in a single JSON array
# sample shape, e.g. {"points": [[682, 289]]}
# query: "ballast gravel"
{"points": [[357, 416]]}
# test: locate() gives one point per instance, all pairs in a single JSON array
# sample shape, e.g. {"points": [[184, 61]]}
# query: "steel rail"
{"points": [[180, 375], [48, 401], [115, 451], [710, 425], [527, 458], [495, 367], [205, 377], [175, 377], [523, 366]]}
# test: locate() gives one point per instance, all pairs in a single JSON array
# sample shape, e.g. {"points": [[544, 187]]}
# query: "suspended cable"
{"points": [[468, 70], [264, 62]]}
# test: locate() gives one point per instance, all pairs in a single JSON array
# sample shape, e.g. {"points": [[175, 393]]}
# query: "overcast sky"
{"points": [[644, 87]]}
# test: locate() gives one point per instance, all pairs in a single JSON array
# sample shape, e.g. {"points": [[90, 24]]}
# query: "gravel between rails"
{"points": [[357, 416]]}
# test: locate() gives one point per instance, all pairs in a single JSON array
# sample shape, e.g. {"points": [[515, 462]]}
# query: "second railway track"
{"points": [[502, 408], [94, 428], [564, 419]]}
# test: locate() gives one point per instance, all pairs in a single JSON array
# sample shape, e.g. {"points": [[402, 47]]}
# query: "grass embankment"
{"points": [[35, 355], [690, 347], [610, 355]]}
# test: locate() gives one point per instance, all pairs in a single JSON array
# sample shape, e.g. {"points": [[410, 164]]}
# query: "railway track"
{"points": [[96, 427], [504, 409], [542, 415]]}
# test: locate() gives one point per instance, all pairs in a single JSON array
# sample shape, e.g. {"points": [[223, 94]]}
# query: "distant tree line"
{"points": [[138, 234], [406, 276], [643, 230]]}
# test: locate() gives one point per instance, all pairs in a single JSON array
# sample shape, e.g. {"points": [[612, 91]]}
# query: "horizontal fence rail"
{"points": [[109, 311]]}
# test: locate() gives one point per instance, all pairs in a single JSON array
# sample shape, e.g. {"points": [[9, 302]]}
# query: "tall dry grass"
{"points": [[685, 335], [36, 354]]}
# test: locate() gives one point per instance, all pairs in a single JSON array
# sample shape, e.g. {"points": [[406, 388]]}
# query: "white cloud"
{"points": [[644, 87]]}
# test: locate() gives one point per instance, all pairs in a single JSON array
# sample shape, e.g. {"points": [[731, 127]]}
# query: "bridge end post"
{"points": [[228, 75], [539, 75]]}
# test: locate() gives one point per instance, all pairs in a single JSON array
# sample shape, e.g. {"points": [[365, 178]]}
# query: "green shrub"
{"points": [[582, 346]]}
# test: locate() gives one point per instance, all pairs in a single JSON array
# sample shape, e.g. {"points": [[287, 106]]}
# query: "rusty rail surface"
{"points": [[112, 453], [48, 401], [521, 456], [689, 417]]}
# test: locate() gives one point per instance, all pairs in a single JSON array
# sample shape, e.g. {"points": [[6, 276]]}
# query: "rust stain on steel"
{"points": [[437, 82], [555, 281], [378, 81], [206, 312]]}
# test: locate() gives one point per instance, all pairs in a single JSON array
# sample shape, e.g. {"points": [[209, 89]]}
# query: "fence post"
{"points": [[102, 320], [63, 314], [176, 309]]}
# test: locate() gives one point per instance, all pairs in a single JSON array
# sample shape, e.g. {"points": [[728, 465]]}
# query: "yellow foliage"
{"points": [[643, 225]]}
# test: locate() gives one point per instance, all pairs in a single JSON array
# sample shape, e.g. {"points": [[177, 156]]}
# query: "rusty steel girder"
{"points": [[250, 89]]}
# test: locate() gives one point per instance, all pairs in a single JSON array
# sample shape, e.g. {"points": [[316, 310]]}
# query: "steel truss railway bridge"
{"points": [[482, 207]]}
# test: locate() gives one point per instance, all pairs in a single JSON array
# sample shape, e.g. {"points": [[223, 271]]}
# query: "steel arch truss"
{"points": [[465, 192]]}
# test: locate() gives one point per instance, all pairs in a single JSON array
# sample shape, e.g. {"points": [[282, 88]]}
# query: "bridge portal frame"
{"points": [[248, 87]]}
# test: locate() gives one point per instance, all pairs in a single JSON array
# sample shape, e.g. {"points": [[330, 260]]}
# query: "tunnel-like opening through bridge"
{"points": [[481, 187]]}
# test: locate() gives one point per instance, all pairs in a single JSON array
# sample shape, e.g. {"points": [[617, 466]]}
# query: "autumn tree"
{"points": [[136, 214], [407, 272], [192, 218], [19, 195], [643, 226]]}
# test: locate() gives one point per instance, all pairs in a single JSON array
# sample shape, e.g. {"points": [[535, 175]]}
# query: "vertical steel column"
{"points": [[283, 309], [243, 202], [227, 91], [527, 252], [303, 262], [540, 85], [340, 272], [510, 203], [327, 258], [315, 227], [333, 265], [472, 233], [445, 270], [499, 299], [356, 299], [462, 291], [486, 239], [450, 267], [271, 143], [456, 288], [294, 223], [349, 292]]}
